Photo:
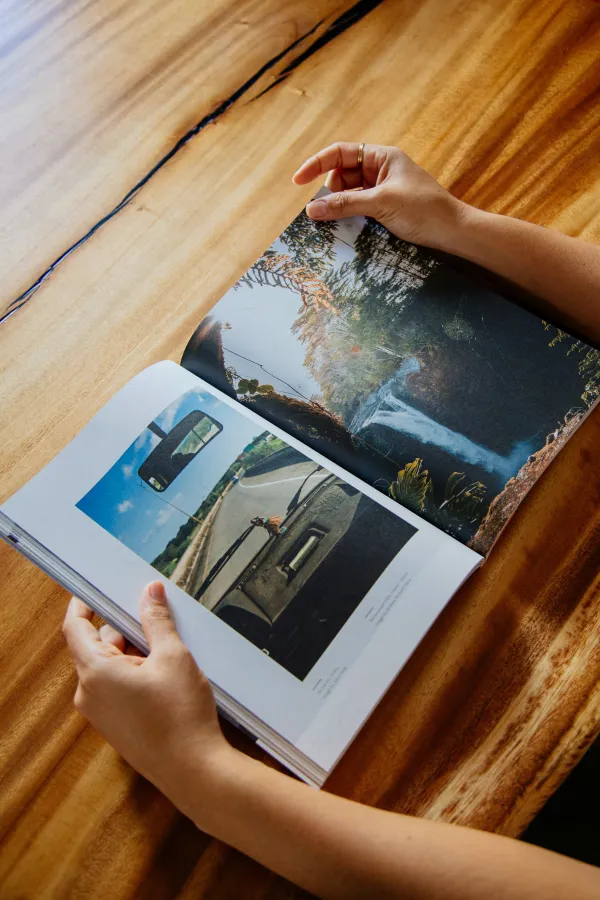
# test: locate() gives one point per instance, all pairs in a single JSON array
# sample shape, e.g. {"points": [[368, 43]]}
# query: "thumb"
{"points": [[344, 204], [157, 621]]}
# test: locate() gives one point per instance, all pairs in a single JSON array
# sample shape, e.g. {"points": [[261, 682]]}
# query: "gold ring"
{"points": [[361, 150]]}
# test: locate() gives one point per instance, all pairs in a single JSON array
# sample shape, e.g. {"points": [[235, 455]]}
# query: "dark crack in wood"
{"points": [[337, 27], [352, 15], [209, 119]]}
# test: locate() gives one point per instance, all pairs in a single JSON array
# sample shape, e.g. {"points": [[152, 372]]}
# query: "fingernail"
{"points": [[156, 592], [316, 208]]}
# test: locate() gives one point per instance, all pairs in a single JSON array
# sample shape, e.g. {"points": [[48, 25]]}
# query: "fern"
{"points": [[413, 487], [588, 366], [464, 502]]}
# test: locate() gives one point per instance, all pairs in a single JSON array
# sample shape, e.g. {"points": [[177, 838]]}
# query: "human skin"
{"points": [[159, 713], [561, 271]]}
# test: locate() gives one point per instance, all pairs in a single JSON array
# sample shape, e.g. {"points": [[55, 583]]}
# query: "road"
{"points": [[262, 495]]}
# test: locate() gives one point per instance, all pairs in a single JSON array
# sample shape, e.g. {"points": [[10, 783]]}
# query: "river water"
{"points": [[386, 406]]}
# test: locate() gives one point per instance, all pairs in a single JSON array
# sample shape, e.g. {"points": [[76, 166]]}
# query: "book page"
{"points": [[442, 394], [284, 573]]}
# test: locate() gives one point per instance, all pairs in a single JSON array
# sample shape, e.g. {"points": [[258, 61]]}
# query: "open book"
{"points": [[346, 436]]}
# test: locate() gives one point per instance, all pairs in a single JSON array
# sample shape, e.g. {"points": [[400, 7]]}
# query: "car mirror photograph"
{"points": [[260, 534]]}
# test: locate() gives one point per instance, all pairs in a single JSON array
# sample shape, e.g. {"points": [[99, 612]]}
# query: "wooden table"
{"points": [[210, 107]]}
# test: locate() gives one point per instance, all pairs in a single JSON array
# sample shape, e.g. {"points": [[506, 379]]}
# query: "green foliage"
{"points": [[261, 450], [374, 328], [464, 503], [387, 265], [463, 500], [166, 561], [202, 428], [588, 365], [168, 570], [413, 486], [311, 243], [248, 386]]}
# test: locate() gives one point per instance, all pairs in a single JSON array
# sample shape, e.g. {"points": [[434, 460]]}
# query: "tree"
{"points": [[375, 331], [280, 270], [311, 243], [589, 362], [311, 254], [355, 321], [385, 259]]}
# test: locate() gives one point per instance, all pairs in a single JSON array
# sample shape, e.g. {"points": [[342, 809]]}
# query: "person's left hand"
{"points": [[157, 711]]}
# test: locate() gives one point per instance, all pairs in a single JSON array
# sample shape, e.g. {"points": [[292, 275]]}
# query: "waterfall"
{"points": [[384, 407]]}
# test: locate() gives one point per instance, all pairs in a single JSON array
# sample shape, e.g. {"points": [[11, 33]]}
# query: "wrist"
{"points": [[196, 775], [459, 236]]}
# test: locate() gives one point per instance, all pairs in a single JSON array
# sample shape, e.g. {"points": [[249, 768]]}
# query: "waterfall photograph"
{"points": [[444, 395]]}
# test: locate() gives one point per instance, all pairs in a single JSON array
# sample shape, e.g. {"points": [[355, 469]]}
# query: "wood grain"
{"points": [[93, 94], [500, 101]]}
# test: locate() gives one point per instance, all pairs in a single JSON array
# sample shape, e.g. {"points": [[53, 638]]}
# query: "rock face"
{"points": [[506, 503]]}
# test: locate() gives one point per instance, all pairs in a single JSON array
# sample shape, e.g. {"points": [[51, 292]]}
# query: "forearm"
{"points": [[336, 848], [560, 270]]}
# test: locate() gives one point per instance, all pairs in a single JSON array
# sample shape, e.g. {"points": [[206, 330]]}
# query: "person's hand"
{"points": [[157, 711], [389, 187]]}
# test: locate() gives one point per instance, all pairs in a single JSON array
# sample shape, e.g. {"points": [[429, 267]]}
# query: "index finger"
{"points": [[337, 156], [82, 637]]}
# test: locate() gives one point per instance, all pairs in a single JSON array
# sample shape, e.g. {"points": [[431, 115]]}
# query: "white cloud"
{"points": [[163, 516], [145, 442], [127, 471], [124, 506], [141, 441], [167, 417]]}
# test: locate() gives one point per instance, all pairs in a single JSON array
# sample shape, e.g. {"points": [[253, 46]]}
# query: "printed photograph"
{"points": [[276, 546], [416, 378]]}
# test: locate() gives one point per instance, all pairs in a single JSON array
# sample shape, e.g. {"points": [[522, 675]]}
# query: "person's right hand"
{"points": [[389, 187]]}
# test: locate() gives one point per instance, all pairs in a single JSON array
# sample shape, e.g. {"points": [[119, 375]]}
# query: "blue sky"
{"points": [[141, 518]]}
